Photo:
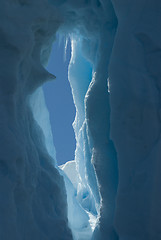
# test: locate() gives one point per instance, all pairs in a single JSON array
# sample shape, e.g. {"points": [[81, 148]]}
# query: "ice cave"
{"points": [[111, 190]]}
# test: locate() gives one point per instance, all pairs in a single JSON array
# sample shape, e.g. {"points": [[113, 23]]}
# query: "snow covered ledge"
{"points": [[117, 129]]}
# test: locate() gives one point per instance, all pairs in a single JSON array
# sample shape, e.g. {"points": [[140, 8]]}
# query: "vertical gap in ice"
{"points": [[79, 175], [80, 76]]}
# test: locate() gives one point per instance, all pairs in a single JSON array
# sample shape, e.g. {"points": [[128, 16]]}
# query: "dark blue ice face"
{"points": [[60, 104]]}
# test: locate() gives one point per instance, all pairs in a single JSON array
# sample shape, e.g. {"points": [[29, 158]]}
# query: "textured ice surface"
{"points": [[79, 220], [83, 225], [41, 115], [70, 170], [134, 74], [32, 192], [117, 129]]}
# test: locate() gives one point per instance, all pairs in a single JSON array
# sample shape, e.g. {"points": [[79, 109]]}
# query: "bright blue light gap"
{"points": [[60, 104]]}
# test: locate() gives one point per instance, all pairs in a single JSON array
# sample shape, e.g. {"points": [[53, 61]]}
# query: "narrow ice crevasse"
{"points": [[81, 201], [118, 132], [80, 197], [87, 76], [30, 181], [83, 196]]}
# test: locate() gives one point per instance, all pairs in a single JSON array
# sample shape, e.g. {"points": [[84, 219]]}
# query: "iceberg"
{"points": [[111, 190]]}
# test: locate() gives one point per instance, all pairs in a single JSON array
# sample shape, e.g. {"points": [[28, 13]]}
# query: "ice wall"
{"points": [[41, 116], [134, 73], [95, 153], [32, 192], [120, 131]]}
